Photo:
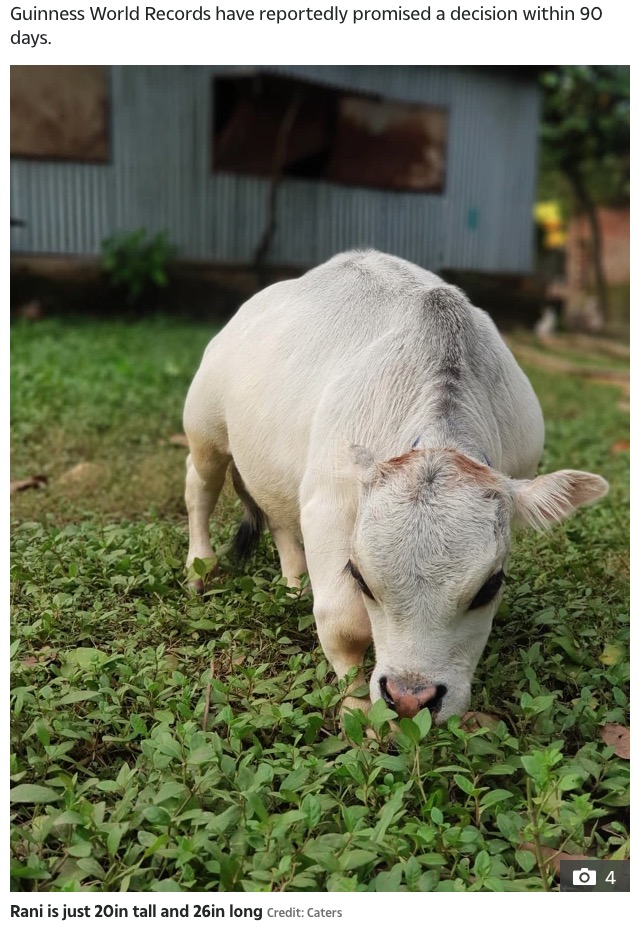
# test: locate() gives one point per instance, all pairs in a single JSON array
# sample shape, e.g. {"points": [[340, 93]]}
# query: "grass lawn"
{"points": [[162, 741]]}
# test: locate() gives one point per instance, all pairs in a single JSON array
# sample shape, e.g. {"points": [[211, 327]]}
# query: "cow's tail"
{"points": [[252, 526]]}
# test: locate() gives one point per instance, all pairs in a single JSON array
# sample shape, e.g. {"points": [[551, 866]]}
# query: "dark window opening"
{"points": [[267, 125]]}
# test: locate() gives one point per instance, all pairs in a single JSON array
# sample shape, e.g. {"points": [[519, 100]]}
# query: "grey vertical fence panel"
{"points": [[160, 177], [67, 208]]}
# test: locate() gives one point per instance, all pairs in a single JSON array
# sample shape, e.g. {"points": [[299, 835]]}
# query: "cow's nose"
{"points": [[409, 701]]}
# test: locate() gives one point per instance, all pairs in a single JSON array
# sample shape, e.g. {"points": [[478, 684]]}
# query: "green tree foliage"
{"points": [[585, 135]]}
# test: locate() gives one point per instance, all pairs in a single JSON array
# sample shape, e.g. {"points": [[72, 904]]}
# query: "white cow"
{"points": [[382, 427]]}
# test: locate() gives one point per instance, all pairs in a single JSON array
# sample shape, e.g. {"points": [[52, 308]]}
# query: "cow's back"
{"points": [[347, 351], [331, 311]]}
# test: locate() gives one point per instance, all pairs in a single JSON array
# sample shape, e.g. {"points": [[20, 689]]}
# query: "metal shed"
{"points": [[159, 175]]}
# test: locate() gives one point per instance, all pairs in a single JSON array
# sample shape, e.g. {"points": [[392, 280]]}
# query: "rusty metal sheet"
{"points": [[60, 112], [389, 145]]}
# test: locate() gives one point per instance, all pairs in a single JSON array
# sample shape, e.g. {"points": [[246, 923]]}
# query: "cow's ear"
{"points": [[364, 465], [550, 498]]}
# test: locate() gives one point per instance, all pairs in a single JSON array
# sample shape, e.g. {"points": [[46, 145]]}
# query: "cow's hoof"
{"points": [[196, 586]]}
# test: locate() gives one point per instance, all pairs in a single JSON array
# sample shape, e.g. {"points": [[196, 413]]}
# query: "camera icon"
{"points": [[584, 877]]}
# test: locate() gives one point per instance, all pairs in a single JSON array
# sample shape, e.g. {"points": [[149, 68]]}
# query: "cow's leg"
{"points": [[291, 555], [342, 621], [203, 486], [343, 627]]}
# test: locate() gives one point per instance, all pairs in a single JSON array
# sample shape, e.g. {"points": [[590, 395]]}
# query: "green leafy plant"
{"points": [[162, 741], [137, 263]]}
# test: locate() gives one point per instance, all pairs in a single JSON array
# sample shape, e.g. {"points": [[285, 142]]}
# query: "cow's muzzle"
{"points": [[408, 701]]}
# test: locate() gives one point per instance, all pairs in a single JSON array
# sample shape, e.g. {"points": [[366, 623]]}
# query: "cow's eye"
{"points": [[356, 574], [489, 591]]}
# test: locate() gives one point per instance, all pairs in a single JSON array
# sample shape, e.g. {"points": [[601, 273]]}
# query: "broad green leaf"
{"points": [[494, 797], [482, 864], [165, 884], [80, 850], [412, 873], [390, 881], [428, 881], [432, 859], [466, 785], [90, 866], [85, 657], [526, 859], [311, 806], [424, 721], [156, 815], [388, 812], [353, 728], [379, 714], [33, 794], [114, 834], [355, 858], [76, 697], [201, 756], [409, 728], [436, 816]]}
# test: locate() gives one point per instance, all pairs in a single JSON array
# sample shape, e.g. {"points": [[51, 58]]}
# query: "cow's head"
{"points": [[429, 551]]}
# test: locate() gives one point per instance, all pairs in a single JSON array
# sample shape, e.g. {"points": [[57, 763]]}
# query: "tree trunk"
{"points": [[276, 175], [588, 207]]}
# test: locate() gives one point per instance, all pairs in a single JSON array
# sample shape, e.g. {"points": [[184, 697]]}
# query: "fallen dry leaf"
{"points": [[31, 311], [43, 658], [614, 734], [178, 439], [35, 481], [612, 654], [553, 857], [621, 446], [82, 472], [474, 720]]}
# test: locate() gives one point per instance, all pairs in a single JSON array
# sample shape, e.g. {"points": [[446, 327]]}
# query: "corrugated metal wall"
{"points": [[160, 177]]}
